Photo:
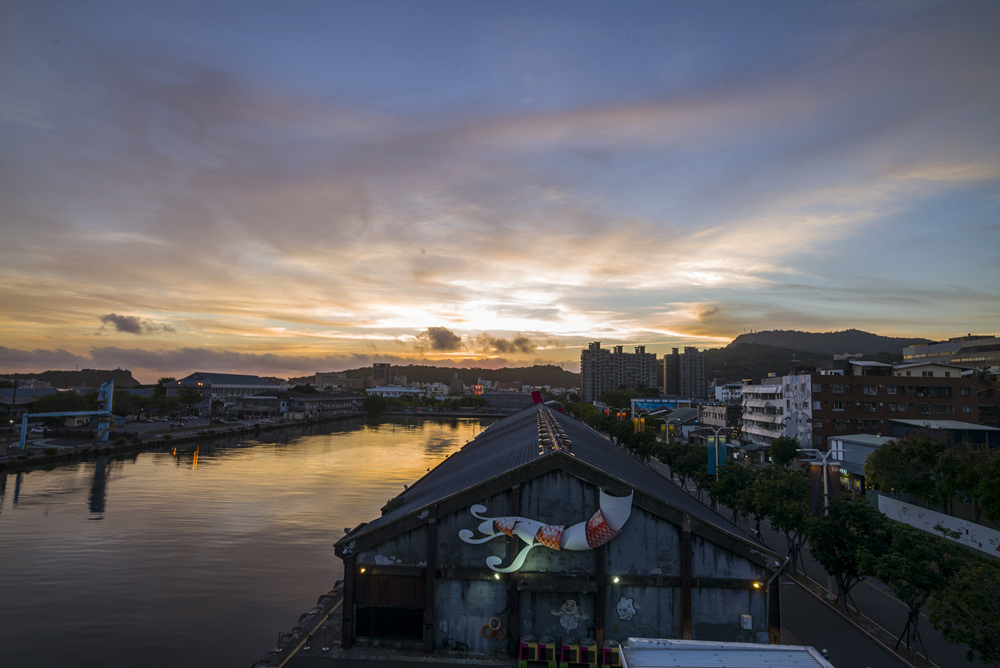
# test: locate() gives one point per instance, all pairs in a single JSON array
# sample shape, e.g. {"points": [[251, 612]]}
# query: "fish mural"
{"points": [[605, 524]]}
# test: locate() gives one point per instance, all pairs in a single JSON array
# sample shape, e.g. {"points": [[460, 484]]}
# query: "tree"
{"points": [[375, 404], [61, 402], [967, 611], [305, 389], [847, 541], [620, 398], [784, 449], [731, 487], [907, 465], [916, 566], [189, 397], [987, 491], [782, 495]]}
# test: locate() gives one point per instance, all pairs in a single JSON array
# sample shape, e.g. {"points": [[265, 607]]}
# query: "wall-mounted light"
{"points": [[615, 579], [756, 585], [362, 570], [496, 576]]}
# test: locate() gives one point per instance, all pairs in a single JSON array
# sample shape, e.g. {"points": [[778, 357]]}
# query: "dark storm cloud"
{"points": [[439, 339], [131, 324], [515, 344]]}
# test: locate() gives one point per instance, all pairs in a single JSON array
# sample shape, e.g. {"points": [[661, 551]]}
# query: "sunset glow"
{"points": [[285, 188]]}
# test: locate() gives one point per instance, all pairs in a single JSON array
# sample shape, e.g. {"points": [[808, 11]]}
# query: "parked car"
{"points": [[38, 431]]}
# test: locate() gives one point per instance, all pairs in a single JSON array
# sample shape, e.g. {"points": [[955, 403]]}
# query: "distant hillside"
{"points": [[832, 343], [62, 380], [743, 361], [548, 374]]}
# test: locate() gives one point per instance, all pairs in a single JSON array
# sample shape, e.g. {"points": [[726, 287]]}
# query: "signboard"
{"points": [[716, 452]]}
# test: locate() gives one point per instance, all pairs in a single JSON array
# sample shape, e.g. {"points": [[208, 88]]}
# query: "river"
{"points": [[195, 557]]}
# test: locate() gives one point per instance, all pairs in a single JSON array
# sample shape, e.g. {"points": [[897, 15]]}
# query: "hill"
{"points": [[62, 380], [831, 343], [540, 374]]}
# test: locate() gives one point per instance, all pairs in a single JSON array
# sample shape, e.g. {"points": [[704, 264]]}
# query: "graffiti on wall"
{"points": [[570, 615], [604, 525]]}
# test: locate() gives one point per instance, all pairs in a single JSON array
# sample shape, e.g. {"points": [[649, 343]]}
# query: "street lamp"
{"points": [[824, 456]]}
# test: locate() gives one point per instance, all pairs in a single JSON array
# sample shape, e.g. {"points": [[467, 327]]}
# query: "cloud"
{"points": [[515, 344], [131, 324], [438, 339]]}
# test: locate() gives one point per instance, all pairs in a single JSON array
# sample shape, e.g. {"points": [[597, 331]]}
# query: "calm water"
{"points": [[193, 559]]}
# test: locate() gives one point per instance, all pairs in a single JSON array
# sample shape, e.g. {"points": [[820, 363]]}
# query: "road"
{"points": [[873, 599]]}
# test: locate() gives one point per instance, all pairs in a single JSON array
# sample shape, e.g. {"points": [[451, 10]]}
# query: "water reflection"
{"points": [[99, 488], [240, 542]]}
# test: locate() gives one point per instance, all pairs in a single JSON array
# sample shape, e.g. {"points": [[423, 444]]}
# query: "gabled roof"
{"points": [[230, 379], [537, 436]]}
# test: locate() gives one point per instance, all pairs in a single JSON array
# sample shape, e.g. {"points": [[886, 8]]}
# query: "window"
{"points": [[965, 392], [942, 408], [923, 409], [838, 405], [869, 407], [927, 374], [897, 407], [817, 388], [816, 405], [895, 389], [818, 424], [837, 388], [966, 408], [840, 424], [870, 390], [947, 374], [941, 391]]}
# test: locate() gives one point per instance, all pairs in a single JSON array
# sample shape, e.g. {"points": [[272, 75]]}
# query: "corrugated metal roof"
{"points": [[654, 653], [946, 424], [513, 442]]}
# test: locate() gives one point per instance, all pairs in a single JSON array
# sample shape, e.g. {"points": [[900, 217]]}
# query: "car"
{"points": [[38, 431]]}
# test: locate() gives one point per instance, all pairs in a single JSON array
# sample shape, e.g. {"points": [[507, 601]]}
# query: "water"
{"points": [[192, 558]]}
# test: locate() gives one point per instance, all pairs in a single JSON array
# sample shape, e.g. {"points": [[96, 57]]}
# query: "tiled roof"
{"points": [[514, 442]]}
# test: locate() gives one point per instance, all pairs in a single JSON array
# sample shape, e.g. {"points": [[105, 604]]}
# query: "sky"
{"points": [[286, 187]]}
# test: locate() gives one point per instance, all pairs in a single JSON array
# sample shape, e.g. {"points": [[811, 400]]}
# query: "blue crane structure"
{"points": [[105, 398]]}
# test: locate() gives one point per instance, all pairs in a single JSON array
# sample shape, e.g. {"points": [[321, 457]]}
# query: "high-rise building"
{"points": [[685, 375], [602, 370], [381, 374]]}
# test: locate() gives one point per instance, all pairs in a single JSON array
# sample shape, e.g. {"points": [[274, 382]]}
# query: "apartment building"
{"points": [[685, 375], [602, 370]]}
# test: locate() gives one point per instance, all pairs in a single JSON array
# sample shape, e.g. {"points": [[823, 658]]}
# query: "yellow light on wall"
{"points": [[496, 576], [362, 570], [615, 579], [756, 585]]}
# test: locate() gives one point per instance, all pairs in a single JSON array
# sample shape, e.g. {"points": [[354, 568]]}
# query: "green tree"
{"points": [[782, 495], [907, 465], [375, 404], [189, 397], [916, 566], [61, 402], [305, 389], [731, 488], [621, 398], [846, 541], [987, 491], [784, 449], [967, 611]]}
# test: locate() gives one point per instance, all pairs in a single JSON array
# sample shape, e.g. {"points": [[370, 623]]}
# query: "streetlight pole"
{"points": [[824, 456]]}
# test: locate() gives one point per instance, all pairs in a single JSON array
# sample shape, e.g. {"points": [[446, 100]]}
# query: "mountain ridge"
{"points": [[831, 343]]}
